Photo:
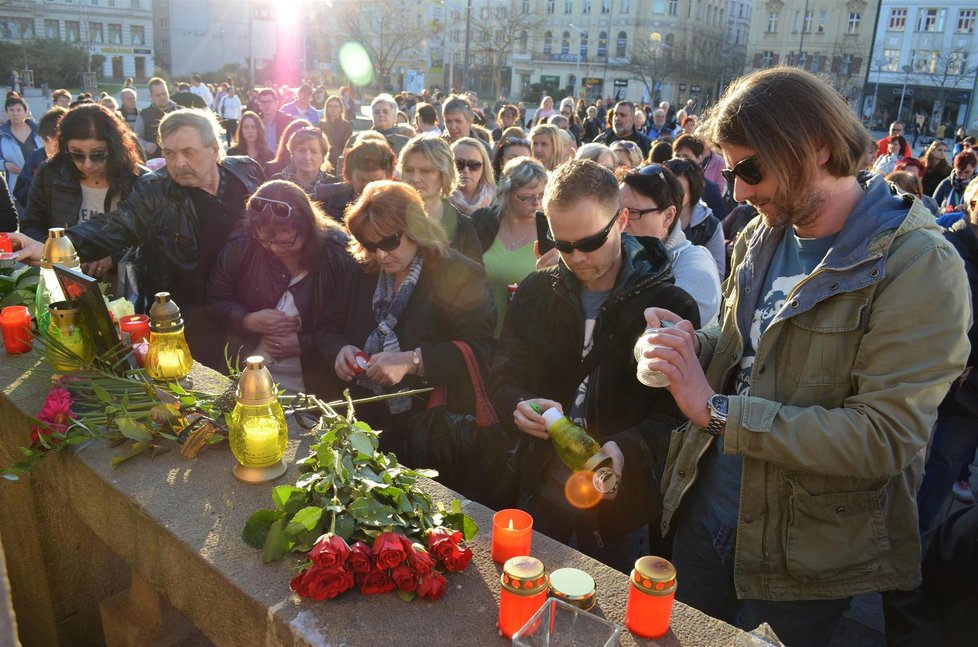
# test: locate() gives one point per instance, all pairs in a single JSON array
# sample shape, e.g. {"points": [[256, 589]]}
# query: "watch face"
{"points": [[719, 404]]}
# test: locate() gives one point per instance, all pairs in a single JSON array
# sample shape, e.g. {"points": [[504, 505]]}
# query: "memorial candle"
{"points": [[15, 321], [512, 531], [650, 596], [137, 326], [523, 592]]}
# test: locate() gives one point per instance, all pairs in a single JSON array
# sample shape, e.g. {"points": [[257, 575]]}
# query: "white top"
{"points": [[229, 107], [286, 372], [93, 202], [202, 92]]}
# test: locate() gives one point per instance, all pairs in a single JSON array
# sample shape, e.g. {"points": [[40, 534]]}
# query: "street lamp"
{"points": [[577, 73], [907, 69]]}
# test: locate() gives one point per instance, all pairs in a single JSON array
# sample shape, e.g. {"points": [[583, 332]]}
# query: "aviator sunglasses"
{"points": [[388, 244], [746, 169], [585, 245], [276, 208]]}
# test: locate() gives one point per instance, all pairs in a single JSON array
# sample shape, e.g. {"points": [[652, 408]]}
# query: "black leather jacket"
{"points": [[539, 356], [159, 216]]}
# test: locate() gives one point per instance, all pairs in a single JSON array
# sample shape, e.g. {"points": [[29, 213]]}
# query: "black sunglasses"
{"points": [[276, 208], [98, 157], [636, 214], [585, 245], [472, 165], [746, 169], [388, 244]]}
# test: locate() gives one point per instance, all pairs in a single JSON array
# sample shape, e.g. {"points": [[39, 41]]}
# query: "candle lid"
{"points": [[654, 575], [256, 386], [58, 250], [63, 312], [573, 586], [164, 314], [524, 575]]}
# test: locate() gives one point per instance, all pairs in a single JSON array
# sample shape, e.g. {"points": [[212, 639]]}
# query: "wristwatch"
{"points": [[718, 414], [418, 368]]}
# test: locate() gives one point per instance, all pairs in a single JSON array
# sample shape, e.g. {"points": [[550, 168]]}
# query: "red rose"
{"points": [[444, 544], [420, 560], [330, 551], [361, 559], [321, 583], [405, 577], [388, 551], [432, 586], [458, 560], [375, 582]]}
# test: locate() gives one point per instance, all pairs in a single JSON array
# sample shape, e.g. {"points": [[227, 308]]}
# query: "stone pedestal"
{"points": [[139, 617]]}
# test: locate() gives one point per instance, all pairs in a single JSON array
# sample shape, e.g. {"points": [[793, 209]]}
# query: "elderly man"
{"points": [[129, 110], [658, 125], [147, 124], [459, 118], [383, 110], [180, 216], [623, 128]]}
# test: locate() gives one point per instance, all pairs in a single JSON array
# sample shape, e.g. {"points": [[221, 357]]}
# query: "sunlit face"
{"points": [[159, 95], [308, 157], [468, 178], [525, 201], [188, 161], [607, 160], [651, 223], [65, 101], [424, 176], [88, 168], [792, 205], [457, 125], [509, 117], [622, 159], [268, 105], [360, 179], [128, 101], [304, 97], [17, 114], [584, 218], [548, 103], [896, 129], [543, 150], [623, 120], [940, 153], [893, 147], [334, 110], [249, 131], [398, 261], [686, 154], [513, 151], [383, 115]]}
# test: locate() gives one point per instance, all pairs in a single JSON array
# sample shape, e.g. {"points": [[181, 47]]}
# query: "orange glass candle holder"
{"points": [[651, 593], [137, 326], [512, 531], [15, 322], [523, 592]]}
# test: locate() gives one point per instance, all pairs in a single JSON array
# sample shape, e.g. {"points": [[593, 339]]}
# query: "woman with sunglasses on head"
{"points": [[274, 281], [476, 181], [508, 229], [627, 155], [95, 166], [427, 164], [652, 198], [402, 313], [308, 164], [250, 139], [698, 223], [599, 153], [512, 145]]}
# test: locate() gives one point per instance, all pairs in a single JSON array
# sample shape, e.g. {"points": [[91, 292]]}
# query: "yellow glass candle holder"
{"points": [[257, 429], [169, 355], [66, 332]]}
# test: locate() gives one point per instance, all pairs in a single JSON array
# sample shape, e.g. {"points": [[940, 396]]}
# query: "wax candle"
{"points": [[137, 326], [650, 595], [523, 592], [512, 531], [15, 322], [168, 364]]}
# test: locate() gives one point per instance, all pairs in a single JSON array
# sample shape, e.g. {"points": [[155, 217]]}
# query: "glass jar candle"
{"points": [[573, 586], [69, 344], [15, 322], [650, 596], [257, 431], [523, 592], [169, 355]]}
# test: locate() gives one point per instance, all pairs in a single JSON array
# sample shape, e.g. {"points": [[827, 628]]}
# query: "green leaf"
{"points": [[176, 388], [407, 596], [325, 455], [256, 528], [370, 511], [345, 526], [132, 429], [288, 499], [456, 506], [277, 543], [362, 442], [136, 449], [404, 503], [305, 519], [101, 393], [462, 523]]}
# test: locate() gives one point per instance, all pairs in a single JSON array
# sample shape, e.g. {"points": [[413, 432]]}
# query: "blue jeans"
{"points": [[703, 554], [581, 532], [952, 448]]}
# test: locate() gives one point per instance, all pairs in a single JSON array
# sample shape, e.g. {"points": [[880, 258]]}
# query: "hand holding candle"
{"points": [[512, 531]]}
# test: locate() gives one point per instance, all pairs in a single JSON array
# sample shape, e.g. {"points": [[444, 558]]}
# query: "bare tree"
{"points": [[652, 63], [384, 29], [499, 30], [942, 73]]}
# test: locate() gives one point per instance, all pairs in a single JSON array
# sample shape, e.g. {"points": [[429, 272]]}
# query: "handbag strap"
{"points": [[485, 415]]}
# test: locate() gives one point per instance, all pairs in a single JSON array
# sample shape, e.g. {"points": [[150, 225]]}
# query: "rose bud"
{"points": [[388, 551], [330, 551], [432, 586]]}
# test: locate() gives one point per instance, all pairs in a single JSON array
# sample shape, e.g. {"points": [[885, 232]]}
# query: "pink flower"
{"points": [[55, 416]]}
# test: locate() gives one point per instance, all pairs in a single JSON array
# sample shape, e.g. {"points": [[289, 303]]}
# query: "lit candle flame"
{"points": [[510, 526]]}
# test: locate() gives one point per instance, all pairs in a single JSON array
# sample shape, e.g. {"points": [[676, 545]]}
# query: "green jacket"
{"points": [[843, 394]]}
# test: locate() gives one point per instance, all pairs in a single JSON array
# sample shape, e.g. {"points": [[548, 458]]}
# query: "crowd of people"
{"points": [[769, 251]]}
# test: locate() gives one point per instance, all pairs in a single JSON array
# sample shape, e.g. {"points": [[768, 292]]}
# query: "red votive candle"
{"points": [[523, 592], [650, 595], [6, 245], [137, 326], [511, 534], [15, 322]]}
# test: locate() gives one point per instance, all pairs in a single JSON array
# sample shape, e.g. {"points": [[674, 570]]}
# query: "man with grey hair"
{"points": [[180, 217], [658, 125], [128, 109], [383, 110]]}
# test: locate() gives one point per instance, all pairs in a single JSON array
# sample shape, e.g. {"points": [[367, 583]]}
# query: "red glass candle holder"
{"points": [[523, 592], [650, 596], [15, 322], [6, 245], [512, 531], [137, 326]]}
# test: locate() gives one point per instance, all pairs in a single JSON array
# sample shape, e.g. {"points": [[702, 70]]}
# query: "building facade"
{"points": [[117, 34], [735, 38], [924, 66], [830, 38]]}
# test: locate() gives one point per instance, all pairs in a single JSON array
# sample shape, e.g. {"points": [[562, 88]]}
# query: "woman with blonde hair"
{"points": [[476, 180], [548, 146], [545, 111], [598, 153], [627, 154], [404, 312], [427, 164]]}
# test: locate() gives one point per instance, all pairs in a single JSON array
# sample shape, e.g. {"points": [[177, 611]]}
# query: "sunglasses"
{"points": [[266, 241], [388, 244], [275, 208], [516, 141], [98, 157], [746, 169], [585, 245], [472, 165]]}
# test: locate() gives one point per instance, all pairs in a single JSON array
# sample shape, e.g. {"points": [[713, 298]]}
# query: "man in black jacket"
{"points": [[148, 122], [623, 129], [567, 343], [180, 216]]}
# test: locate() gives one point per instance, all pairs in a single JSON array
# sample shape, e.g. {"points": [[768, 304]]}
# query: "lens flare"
{"points": [[580, 491], [356, 63]]}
